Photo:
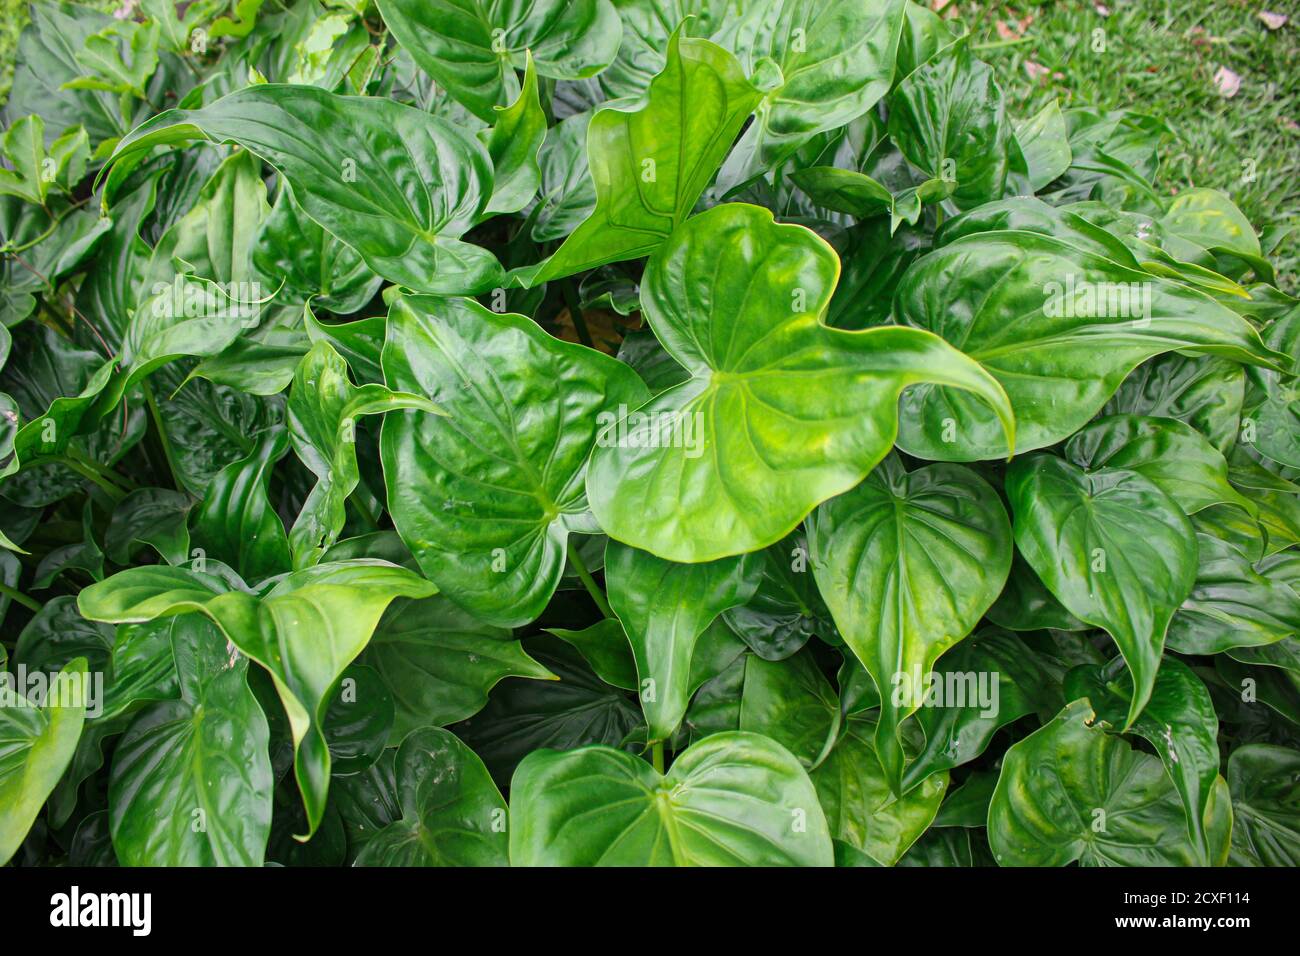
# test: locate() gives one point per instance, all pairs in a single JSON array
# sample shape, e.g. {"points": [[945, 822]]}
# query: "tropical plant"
{"points": [[466, 432]]}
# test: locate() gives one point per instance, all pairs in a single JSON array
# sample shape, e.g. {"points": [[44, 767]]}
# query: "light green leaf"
{"points": [[780, 413]]}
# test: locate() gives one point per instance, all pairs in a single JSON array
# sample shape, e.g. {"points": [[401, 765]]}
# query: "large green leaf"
{"points": [[1112, 547], [486, 497], [1265, 784], [791, 702], [37, 742], [191, 780], [733, 799], [650, 165], [305, 630], [664, 608], [473, 47], [323, 410], [452, 812], [1179, 722], [396, 184], [1070, 791], [440, 662], [1059, 327], [780, 413], [908, 563], [513, 143], [1202, 391]]}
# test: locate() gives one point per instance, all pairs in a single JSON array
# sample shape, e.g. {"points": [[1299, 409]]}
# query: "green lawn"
{"points": [[1160, 58]]}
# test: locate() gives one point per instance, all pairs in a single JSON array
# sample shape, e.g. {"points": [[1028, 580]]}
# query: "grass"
{"points": [[1160, 58]]}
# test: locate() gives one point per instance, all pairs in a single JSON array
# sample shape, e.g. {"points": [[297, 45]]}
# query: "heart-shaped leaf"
{"points": [[396, 184], [1263, 779], [39, 741], [1070, 791], [452, 813], [472, 47], [733, 799], [1112, 547], [1059, 327], [486, 497], [1178, 721], [908, 563], [780, 413]]}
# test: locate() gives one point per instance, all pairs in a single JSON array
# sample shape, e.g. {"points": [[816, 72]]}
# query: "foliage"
{"points": [[477, 433]]}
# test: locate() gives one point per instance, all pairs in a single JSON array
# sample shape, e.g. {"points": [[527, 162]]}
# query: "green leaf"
{"points": [[305, 630], [791, 702], [513, 143], [605, 647], [786, 609], [1266, 815], [150, 516], [1112, 547], [831, 62], [473, 47], [34, 170], [37, 741], [396, 184], [298, 260], [780, 413], [1045, 144], [1029, 308], [439, 662], [949, 119], [322, 416], [984, 683], [1179, 722], [664, 607], [908, 563], [854, 790], [650, 165], [522, 716], [191, 780], [1204, 392], [731, 799], [1175, 457], [1232, 604], [1271, 417], [486, 497], [1070, 791], [236, 522], [358, 721], [452, 813]]}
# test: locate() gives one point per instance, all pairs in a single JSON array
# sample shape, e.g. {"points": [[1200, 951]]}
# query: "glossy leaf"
{"points": [[396, 184], [485, 498], [664, 607], [908, 564], [1070, 791], [1112, 547], [731, 799], [780, 413]]}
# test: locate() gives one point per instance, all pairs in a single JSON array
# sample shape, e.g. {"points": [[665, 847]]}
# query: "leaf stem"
{"points": [[156, 415], [657, 755], [575, 313], [588, 581], [113, 491], [111, 474], [15, 595]]}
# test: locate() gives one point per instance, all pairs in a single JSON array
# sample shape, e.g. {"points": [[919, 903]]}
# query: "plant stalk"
{"points": [[588, 581], [15, 595]]}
